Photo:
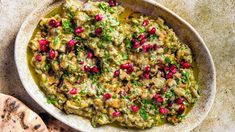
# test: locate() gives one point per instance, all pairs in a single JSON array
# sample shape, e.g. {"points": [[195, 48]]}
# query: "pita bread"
{"points": [[16, 117]]}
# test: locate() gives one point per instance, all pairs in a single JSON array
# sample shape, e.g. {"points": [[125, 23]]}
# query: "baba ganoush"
{"points": [[110, 64]]}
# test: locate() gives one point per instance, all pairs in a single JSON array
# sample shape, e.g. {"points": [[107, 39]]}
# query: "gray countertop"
{"points": [[213, 19]]}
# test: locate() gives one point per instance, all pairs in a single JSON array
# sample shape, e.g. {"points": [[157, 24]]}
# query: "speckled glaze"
{"points": [[185, 32]]}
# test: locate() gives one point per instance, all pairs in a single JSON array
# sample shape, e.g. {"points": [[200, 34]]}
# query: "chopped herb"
{"points": [[142, 29], [56, 40], [152, 37], [125, 56], [77, 98], [67, 26], [136, 83], [168, 60], [173, 49], [143, 114], [146, 101], [103, 6], [153, 57], [51, 100], [128, 43], [47, 66], [186, 76], [107, 37], [166, 50], [169, 94], [114, 96], [83, 91]]}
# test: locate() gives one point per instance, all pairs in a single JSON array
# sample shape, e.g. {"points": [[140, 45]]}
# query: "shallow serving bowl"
{"points": [[185, 32]]}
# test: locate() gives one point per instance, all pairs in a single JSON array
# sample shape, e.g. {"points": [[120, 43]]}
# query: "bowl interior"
{"points": [[184, 31]]}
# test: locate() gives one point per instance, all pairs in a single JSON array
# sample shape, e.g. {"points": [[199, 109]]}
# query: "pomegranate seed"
{"points": [[57, 24], [130, 69], [163, 110], [73, 91], [160, 61], [99, 17], [165, 68], [181, 109], [146, 47], [116, 73], [141, 36], [52, 23], [107, 96], [89, 55], [71, 43], [116, 114], [43, 43], [125, 66], [155, 47], [142, 41], [169, 75], [147, 69], [112, 3], [173, 69], [136, 44], [164, 90], [134, 108], [159, 99], [180, 101], [87, 68], [52, 54], [38, 58], [79, 30], [145, 22], [152, 30], [156, 96], [146, 75], [81, 62], [185, 64], [95, 69], [170, 104], [98, 31]]}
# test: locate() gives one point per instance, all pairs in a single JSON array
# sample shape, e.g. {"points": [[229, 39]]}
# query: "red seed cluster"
{"points": [[38, 58], [73, 91], [163, 110], [134, 108], [185, 64], [117, 113], [71, 43], [79, 30], [107, 96], [43, 44], [54, 23], [116, 73]]}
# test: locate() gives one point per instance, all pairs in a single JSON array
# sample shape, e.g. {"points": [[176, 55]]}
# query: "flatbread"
{"points": [[16, 117]]}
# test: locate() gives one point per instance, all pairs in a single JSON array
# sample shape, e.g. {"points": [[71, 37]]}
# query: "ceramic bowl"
{"points": [[185, 32]]}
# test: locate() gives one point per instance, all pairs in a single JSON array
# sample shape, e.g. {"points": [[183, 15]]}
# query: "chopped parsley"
{"points": [[67, 26], [168, 60], [51, 100], [125, 56], [143, 114]]}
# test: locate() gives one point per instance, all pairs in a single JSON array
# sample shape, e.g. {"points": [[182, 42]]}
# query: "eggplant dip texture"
{"points": [[110, 64]]}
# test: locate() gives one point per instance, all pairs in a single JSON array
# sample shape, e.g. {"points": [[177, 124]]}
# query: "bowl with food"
{"points": [[115, 66]]}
